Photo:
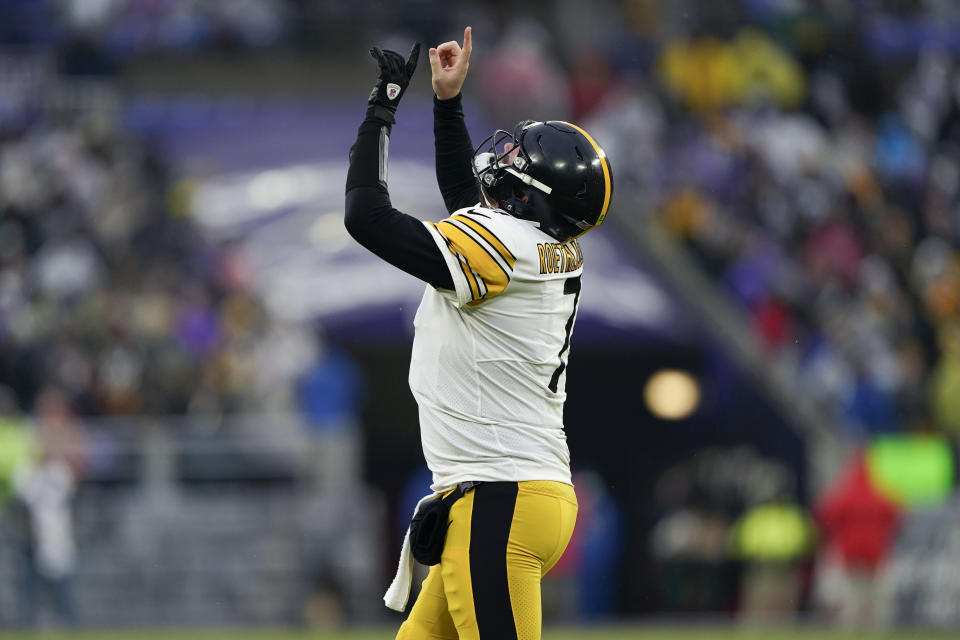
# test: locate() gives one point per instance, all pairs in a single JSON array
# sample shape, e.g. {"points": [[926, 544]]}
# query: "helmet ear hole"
{"points": [[582, 193], [579, 153]]}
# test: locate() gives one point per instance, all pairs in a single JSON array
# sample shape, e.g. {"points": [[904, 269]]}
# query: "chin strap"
{"points": [[530, 180]]}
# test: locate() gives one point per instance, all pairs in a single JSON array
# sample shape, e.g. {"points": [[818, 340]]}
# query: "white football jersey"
{"points": [[489, 359]]}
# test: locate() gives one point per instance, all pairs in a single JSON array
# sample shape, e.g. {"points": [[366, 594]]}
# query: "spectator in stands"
{"points": [[858, 524], [519, 79], [774, 539], [45, 489], [329, 393], [945, 383]]}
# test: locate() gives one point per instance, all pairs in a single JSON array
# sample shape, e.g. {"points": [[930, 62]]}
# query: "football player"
{"points": [[488, 367]]}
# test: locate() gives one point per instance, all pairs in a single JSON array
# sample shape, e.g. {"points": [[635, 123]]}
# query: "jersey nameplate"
{"points": [[560, 258]]}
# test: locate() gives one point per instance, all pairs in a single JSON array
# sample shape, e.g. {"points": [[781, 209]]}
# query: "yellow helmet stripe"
{"points": [[606, 172]]}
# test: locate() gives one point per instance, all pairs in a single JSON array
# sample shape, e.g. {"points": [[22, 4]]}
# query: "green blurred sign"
{"points": [[914, 470], [773, 532]]}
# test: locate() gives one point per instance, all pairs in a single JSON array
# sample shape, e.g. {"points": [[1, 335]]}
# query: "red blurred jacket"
{"points": [[857, 519]]}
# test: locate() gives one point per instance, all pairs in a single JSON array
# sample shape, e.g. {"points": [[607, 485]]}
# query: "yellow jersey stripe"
{"points": [[445, 238], [477, 257], [462, 261], [607, 190], [490, 252], [490, 243], [493, 290], [489, 236]]}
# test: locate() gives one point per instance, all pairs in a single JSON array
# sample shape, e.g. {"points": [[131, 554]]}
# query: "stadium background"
{"points": [[764, 379]]}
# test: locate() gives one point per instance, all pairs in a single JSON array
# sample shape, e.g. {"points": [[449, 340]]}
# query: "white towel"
{"points": [[399, 591]]}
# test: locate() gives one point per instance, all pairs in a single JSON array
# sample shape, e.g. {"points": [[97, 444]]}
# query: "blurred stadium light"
{"points": [[671, 394]]}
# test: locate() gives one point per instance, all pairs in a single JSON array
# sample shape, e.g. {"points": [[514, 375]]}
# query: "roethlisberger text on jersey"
{"points": [[560, 258]]}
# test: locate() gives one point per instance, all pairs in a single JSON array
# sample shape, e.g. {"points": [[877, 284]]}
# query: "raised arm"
{"points": [[454, 150], [369, 217]]}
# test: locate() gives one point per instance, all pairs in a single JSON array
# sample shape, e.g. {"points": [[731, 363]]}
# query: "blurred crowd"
{"points": [[817, 180], [104, 32], [109, 293]]}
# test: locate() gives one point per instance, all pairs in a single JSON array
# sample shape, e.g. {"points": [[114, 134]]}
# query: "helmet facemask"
{"points": [[500, 162]]}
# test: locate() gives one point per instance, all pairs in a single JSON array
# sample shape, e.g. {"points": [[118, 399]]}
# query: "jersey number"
{"points": [[570, 287]]}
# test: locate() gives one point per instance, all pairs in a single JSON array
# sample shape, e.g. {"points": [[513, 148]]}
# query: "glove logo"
{"points": [[393, 90]]}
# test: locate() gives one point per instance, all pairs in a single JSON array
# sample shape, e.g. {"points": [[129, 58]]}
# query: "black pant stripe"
{"points": [[493, 506]]}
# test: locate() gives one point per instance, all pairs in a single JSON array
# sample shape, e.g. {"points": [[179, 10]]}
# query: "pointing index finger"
{"points": [[467, 43]]}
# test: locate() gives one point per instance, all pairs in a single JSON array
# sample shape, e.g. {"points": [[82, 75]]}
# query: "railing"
{"points": [[243, 520]]}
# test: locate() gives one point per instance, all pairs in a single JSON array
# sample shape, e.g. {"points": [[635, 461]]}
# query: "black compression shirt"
{"points": [[394, 236], [454, 155]]}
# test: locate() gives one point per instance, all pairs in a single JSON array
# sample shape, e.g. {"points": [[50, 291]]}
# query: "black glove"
{"points": [[392, 80]]}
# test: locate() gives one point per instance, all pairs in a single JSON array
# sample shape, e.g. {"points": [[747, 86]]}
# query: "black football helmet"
{"points": [[552, 173]]}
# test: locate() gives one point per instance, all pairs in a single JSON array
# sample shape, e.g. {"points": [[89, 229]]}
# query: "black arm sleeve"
{"points": [[398, 238], [454, 155]]}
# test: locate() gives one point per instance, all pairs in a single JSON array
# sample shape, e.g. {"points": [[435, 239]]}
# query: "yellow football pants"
{"points": [[502, 538]]}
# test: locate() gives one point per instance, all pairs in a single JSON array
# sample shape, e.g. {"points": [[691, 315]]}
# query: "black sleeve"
{"points": [[454, 155], [398, 238]]}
